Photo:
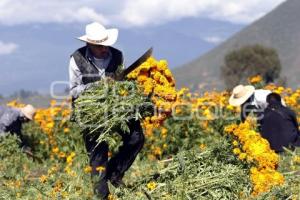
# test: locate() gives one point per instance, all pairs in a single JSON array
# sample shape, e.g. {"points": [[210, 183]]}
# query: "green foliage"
{"points": [[193, 175], [21, 174], [250, 61], [108, 106], [189, 129], [184, 171], [212, 173], [13, 166]]}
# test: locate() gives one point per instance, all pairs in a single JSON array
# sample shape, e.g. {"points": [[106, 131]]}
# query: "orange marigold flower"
{"points": [[88, 169], [100, 168]]}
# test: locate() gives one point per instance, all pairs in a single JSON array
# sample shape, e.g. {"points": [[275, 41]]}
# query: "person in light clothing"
{"points": [[12, 119], [250, 100]]}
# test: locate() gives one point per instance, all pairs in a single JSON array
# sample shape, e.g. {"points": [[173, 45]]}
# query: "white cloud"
{"points": [[31, 11], [141, 12], [7, 48], [129, 13], [213, 39]]}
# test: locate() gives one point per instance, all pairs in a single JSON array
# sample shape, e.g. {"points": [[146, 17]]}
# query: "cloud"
{"points": [[7, 48], [141, 12], [130, 13], [14, 12], [213, 39]]}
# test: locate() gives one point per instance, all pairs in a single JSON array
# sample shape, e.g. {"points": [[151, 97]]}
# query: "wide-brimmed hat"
{"points": [[28, 111], [240, 94], [97, 34]]}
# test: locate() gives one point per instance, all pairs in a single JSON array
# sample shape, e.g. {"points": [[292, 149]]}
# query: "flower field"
{"points": [[195, 149]]}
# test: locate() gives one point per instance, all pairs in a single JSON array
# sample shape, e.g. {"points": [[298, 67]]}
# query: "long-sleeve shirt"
{"points": [[10, 120], [75, 75]]}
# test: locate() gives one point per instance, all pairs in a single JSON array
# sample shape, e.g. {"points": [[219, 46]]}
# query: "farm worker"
{"points": [[11, 120], [250, 99], [96, 60], [279, 124]]}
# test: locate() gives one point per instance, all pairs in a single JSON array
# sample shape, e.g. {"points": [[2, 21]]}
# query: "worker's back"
{"points": [[279, 127]]}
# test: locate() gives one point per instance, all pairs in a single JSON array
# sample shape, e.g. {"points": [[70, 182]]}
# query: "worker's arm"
{"points": [[75, 80]]}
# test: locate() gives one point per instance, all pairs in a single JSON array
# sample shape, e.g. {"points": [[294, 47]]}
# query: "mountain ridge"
{"points": [[279, 29]]}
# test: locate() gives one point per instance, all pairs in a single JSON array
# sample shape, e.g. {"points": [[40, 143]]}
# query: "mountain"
{"points": [[42, 56], [280, 29]]}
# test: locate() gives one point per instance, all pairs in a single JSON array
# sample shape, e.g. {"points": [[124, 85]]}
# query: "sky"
{"points": [[130, 13], [127, 13], [29, 16]]}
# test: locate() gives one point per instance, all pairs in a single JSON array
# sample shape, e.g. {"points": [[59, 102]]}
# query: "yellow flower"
{"points": [[235, 143], [61, 155], [72, 154], [43, 178], [165, 146], [230, 107], [255, 79], [100, 169], [151, 185], [164, 131], [42, 142], [202, 147], [296, 159], [66, 130], [242, 156], [70, 158], [88, 169], [111, 197], [123, 93], [55, 150], [256, 150], [50, 125], [17, 184], [157, 151], [236, 151]]}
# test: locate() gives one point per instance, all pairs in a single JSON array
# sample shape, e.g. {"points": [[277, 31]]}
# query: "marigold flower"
{"points": [[55, 150], [88, 169], [100, 168], [202, 147], [255, 79], [66, 130], [43, 178], [236, 151], [151, 186]]}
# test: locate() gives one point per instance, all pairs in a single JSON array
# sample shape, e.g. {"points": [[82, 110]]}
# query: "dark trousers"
{"points": [[115, 167]]}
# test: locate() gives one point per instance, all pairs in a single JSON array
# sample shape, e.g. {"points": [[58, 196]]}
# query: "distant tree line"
{"points": [[249, 61], [23, 94]]}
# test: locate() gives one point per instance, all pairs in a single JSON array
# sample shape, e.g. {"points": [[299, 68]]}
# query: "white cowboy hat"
{"points": [[240, 94], [28, 111], [98, 35]]}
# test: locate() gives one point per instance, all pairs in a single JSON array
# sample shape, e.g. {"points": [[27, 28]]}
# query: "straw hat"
{"points": [[240, 94], [98, 35], [28, 111]]}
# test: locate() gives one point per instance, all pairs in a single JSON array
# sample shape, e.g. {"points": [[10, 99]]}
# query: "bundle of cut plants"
{"points": [[210, 174], [107, 107]]}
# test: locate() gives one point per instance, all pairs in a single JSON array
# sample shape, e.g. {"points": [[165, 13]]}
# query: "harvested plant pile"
{"points": [[108, 105], [194, 175]]}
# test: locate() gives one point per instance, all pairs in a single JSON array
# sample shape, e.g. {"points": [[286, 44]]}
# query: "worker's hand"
{"points": [[119, 76], [115, 76], [110, 76], [27, 150]]}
